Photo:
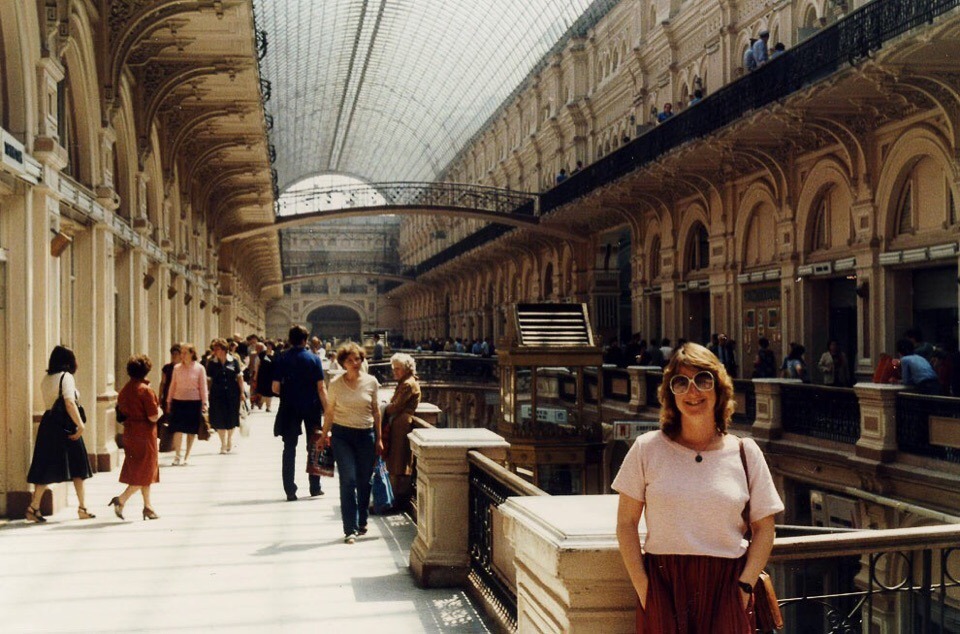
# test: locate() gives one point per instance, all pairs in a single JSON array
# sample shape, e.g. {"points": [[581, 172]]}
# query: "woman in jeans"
{"points": [[353, 417]]}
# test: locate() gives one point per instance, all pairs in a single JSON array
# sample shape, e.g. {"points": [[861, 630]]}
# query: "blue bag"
{"points": [[382, 491]]}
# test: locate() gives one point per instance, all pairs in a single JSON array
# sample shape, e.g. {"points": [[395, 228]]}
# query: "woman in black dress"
{"points": [[226, 391], [58, 455]]}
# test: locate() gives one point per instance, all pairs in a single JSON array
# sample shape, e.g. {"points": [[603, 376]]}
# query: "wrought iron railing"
{"points": [[841, 582], [444, 368], [830, 413], [490, 486], [409, 194], [913, 424], [744, 389], [848, 41]]}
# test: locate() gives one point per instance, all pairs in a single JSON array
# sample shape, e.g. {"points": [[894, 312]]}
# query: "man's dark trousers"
{"points": [[292, 423]]}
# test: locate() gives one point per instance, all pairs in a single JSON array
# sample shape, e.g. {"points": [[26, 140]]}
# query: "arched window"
{"points": [[905, 210], [952, 210], [655, 258], [820, 239], [699, 257], [548, 281]]}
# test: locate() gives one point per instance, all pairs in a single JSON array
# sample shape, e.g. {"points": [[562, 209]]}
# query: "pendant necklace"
{"points": [[699, 456]]}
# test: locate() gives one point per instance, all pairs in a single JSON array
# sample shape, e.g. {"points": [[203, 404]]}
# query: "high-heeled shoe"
{"points": [[33, 515], [149, 514], [117, 507], [84, 514]]}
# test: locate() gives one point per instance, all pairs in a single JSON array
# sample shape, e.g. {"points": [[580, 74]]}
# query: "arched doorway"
{"points": [[338, 322]]}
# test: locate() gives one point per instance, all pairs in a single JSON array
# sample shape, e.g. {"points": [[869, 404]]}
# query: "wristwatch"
{"points": [[746, 587]]}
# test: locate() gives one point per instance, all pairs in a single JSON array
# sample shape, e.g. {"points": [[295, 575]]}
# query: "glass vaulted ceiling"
{"points": [[392, 90]]}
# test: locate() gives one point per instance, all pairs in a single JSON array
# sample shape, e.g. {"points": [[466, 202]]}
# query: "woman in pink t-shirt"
{"points": [[695, 571], [187, 400]]}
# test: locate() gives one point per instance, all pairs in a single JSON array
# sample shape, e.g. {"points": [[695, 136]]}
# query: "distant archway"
{"points": [[339, 322]]}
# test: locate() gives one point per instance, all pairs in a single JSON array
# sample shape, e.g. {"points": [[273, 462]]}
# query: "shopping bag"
{"points": [[381, 489], [244, 426], [319, 458]]}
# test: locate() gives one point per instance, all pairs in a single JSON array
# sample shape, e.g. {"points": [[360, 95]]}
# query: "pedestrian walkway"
{"points": [[228, 553]]}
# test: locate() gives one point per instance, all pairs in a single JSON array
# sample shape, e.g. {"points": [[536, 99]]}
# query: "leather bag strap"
{"points": [[746, 508]]}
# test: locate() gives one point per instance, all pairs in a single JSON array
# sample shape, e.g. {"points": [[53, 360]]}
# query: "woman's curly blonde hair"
{"points": [[696, 357]]}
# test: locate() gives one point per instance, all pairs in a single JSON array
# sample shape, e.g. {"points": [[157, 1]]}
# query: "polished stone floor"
{"points": [[228, 553]]}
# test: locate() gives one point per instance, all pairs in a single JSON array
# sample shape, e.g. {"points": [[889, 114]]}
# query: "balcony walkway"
{"points": [[229, 553]]}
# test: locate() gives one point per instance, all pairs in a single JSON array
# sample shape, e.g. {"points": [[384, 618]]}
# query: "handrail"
{"points": [[859, 542], [505, 477]]}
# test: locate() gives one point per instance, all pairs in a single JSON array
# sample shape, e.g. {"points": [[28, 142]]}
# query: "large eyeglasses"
{"points": [[680, 383]]}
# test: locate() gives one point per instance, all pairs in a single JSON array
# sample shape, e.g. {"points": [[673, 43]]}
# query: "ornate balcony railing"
{"points": [[830, 413], [914, 414], [841, 582], [409, 194], [848, 41], [616, 385], [490, 486], [444, 368]]}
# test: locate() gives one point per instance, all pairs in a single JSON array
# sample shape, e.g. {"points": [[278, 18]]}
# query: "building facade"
{"points": [[826, 214], [133, 135]]}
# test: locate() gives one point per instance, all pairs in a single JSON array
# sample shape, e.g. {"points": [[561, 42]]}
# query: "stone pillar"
{"points": [[440, 554], [638, 380], [96, 346], [127, 317], [768, 424], [570, 575], [878, 421], [17, 406], [429, 413]]}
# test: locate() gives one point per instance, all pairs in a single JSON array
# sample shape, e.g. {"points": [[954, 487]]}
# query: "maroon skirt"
{"points": [[694, 594]]}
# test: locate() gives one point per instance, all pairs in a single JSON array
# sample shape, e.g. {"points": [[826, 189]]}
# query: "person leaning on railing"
{"points": [[696, 571], [398, 423]]}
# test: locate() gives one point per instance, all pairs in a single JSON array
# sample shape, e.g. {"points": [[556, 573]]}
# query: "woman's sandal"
{"points": [[84, 514], [33, 515]]}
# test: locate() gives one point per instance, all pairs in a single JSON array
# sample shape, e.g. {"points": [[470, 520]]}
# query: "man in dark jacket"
{"points": [[298, 379]]}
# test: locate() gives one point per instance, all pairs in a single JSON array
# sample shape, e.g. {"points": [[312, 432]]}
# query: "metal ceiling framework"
{"points": [[393, 90]]}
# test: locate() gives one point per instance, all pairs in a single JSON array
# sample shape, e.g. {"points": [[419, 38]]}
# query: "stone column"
{"points": [[95, 348], [638, 377], [878, 421], [440, 554], [570, 575], [17, 407], [768, 424]]}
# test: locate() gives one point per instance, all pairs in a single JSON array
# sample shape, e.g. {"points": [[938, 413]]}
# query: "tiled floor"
{"points": [[228, 553]]}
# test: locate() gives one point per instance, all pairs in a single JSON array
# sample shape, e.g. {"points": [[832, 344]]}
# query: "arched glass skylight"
{"points": [[391, 91]]}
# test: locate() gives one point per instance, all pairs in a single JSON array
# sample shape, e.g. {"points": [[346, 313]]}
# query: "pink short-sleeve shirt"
{"points": [[695, 508]]}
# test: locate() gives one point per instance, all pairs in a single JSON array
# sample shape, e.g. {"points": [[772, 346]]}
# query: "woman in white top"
{"points": [[59, 455], [696, 570], [353, 417]]}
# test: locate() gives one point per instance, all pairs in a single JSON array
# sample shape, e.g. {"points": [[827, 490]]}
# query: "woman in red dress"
{"points": [[139, 405]]}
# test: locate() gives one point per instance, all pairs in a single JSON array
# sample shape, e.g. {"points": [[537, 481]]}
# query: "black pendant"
{"points": [[699, 458]]}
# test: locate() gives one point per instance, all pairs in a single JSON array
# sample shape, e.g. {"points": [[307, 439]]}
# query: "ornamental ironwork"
{"points": [[408, 194]]}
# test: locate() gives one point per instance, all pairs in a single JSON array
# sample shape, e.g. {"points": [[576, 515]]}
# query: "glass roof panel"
{"points": [[391, 91]]}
